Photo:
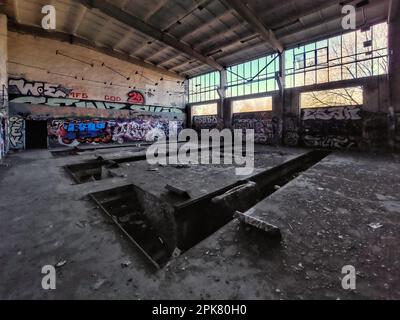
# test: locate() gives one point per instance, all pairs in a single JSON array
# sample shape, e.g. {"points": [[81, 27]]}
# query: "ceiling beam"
{"points": [[64, 37], [248, 15], [204, 25], [133, 22], [158, 7], [78, 20]]}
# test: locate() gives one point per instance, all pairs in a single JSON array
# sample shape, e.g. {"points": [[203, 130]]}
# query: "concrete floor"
{"points": [[324, 216]]}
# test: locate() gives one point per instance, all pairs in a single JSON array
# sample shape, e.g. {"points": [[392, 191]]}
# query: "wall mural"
{"points": [[267, 129], [72, 132], [17, 133]]}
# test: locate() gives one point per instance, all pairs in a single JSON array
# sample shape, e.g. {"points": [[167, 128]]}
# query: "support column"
{"points": [[3, 87], [394, 75], [222, 112], [394, 59]]}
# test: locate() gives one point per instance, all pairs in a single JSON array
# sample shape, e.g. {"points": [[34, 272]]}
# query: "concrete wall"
{"points": [[66, 84], [3, 84], [348, 127], [36, 60], [394, 74]]}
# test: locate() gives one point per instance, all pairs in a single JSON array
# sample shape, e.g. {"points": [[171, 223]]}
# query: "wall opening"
{"points": [[35, 134], [205, 109], [252, 105], [342, 97]]}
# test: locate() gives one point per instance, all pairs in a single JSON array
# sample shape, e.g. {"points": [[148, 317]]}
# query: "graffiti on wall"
{"points": [[333, 128], [65, 102], [16, 133], [38, 92], [267, 129], [291, 131], [77, 131], [206, 122], [3, 132], [22, 87], [334, 113], [135, 97], [2, 137]]}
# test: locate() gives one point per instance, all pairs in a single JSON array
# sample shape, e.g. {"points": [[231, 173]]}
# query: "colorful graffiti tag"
{"points": [[17, 133], [267, 129], [75, 132], [135, 97]]}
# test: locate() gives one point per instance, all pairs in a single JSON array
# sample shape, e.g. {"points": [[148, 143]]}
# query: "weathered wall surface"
{"points": [[363, 127], [348, 127], [206, 122], [3, 84], [267, 128], [87, 97], [71, 127], [77, 73], [333, 128]]}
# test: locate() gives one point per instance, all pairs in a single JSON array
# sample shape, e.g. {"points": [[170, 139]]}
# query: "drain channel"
{"points": [[160, 230]]}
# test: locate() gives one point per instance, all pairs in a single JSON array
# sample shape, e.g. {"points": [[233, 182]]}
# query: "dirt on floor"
{"points": [[344, 210]]}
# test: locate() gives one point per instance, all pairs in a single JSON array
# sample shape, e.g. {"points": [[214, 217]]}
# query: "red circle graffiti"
{"points": [[135, 97]]}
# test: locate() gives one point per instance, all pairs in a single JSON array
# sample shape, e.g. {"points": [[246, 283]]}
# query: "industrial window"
{"points": [[204, 109], [252, 105], [204, 87], [352, 96], [353, 55], [252, 77]]}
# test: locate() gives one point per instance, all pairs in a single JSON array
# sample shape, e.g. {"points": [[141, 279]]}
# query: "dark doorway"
{"points": [[36, 134]]}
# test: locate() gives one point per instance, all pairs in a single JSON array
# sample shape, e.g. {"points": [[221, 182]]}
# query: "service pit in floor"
{"points": [[53, 220], [176, 221]]}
